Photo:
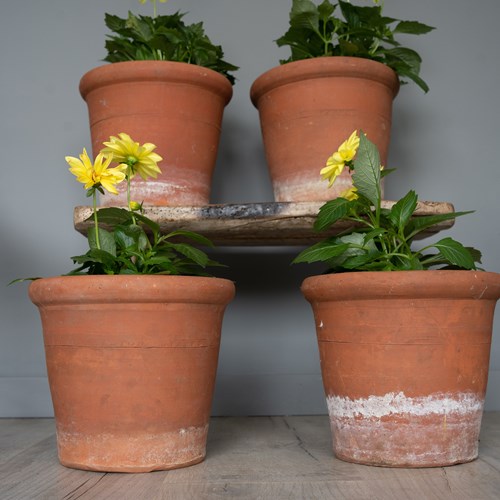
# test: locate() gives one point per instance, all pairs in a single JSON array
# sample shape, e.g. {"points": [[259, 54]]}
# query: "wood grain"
{"points": [[248, 458], [256, 223]]}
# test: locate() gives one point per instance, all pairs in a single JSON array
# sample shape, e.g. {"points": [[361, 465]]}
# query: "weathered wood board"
{"points": [[256, 223]]}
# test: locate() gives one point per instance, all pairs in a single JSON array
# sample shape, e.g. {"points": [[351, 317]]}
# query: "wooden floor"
{"points": [[248, 458]]}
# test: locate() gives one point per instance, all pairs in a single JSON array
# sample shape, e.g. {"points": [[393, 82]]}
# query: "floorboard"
{"points": [[248, 458]]}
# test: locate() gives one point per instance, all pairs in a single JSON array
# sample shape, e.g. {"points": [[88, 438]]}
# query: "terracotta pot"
{"points": [[131, 362], [308, 108], [404, 359], [176, 106]]}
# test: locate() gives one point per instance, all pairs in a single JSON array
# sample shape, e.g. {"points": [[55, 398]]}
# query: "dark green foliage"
{"points": [[343, 29], [381, 239], [163, 38], [129, 249]]}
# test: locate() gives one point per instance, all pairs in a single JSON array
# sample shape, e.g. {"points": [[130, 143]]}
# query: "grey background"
{"points": [[444, 144]]}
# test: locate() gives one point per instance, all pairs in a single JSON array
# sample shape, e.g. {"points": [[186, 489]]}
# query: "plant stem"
{"points": [[325, 40], [96, 222], [129, 175]]}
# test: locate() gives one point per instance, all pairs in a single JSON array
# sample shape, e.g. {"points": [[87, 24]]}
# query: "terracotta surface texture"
{"points": [[308, 108], [177, 106], [131, 362], [404, 359]]}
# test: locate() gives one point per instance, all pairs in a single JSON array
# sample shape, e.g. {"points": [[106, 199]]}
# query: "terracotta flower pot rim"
{"points": [[454, 284], [156, 71], [323, 67], [139, 288]]}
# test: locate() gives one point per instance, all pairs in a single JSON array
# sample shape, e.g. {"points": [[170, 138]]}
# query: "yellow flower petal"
{"points": [[332, 170], [350, 194], [336, 163], [141, 159], [96, 173], [348, 148]]}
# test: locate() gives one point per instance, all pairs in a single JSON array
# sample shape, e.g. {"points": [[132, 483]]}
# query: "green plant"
{"points": [[317, 30], [379, 239], [132, 244], [128, 249], [164, 38]]}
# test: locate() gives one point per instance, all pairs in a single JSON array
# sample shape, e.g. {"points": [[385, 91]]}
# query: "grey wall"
{"points": [[444, 144]]}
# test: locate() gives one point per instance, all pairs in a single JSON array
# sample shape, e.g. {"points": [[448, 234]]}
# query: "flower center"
{"points": [[131, 160]]}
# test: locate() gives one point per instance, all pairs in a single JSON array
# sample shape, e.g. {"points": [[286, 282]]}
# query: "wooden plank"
{"points": [[35, 473], [256, 223], [248, 458], [17, 434], [489, 443]]}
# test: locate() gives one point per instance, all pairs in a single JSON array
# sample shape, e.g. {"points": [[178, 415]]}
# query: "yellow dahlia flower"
{"points": [[336, 163], [96, 173], [332, 170], [140, 159], [350, 194], [348, 149]]}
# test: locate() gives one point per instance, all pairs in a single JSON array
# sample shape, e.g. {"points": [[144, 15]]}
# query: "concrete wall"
{"points": [[443, 143]]}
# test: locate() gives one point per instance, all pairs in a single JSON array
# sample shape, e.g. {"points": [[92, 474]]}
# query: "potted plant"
{"points": [[404, 334], [168, 83], [343, 73], [132, 334]]}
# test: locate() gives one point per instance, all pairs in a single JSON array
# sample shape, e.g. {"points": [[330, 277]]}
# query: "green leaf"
{"points": [[300, 7], [155, 228], [165, 38], [361, 31], [191, 253], [190, 235], [423, 222], [404, 72], [20, 280], [106, 241], [358, 262], [113, 216], [412, 28], [455, 253], [374, 233], [132, 237], [140, 27], [321, 252], [475, 254], [331, 212], [403, 55], [161, 264], [123, 237], [402, 211], [306, 20], [96, 256], [326, 10], [386, 171], [412, 263], [366, 177], [114, 23], [350, 13], [357, 246]]}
